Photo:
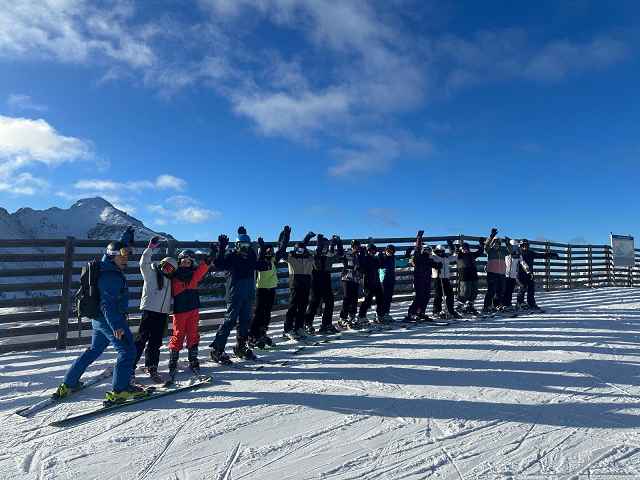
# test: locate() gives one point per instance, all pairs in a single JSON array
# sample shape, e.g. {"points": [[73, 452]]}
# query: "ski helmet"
{"points": [[439, 248], [524, 242], [188, 254], [117, 248], [513, 242], [243, 242]]}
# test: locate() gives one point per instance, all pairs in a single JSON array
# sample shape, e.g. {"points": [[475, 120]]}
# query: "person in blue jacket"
{"points": [[110, 326], [241, 265]]}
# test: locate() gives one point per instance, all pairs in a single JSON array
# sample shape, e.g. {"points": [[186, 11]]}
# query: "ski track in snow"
{"points": [[553, 395]]}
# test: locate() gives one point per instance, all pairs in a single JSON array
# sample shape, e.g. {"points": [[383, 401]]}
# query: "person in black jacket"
{"points": [[369, 266], [468, 276], [387, 275], [321, 288], [420, 260], [526, 277], [350, 278], [240, 265]]}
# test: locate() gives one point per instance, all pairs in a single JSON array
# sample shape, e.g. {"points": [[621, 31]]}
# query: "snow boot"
{"points": [[173, 363], [328, 330], [194, 363], [242, 351], [309, 329], [220, 357], [63, 390], [154, 375], [266, 340]]}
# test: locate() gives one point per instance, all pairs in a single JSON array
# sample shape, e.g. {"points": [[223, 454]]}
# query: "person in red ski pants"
{"points": [[186, 310]]}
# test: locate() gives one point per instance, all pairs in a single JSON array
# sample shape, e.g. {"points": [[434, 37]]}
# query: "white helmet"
{"points": [[513, 242], [439, 248]]}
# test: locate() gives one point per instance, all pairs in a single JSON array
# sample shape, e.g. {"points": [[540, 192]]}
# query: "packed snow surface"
{"points": [[545, 396]]}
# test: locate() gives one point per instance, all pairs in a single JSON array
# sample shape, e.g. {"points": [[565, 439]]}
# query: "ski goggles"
{"points": [[123, 252]]}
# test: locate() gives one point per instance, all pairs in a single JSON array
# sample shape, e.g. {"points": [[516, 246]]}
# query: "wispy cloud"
{"points": [[182, 214], [17, 101], [162, 182]]}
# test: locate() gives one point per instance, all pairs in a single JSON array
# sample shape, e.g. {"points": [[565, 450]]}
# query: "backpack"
{"points": [[88, 295]]}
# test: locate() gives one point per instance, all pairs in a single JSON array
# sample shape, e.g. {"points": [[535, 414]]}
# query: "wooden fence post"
{"points": [[65, 303], [569, 266], [547, 267], [590, 266], [607, 260]]}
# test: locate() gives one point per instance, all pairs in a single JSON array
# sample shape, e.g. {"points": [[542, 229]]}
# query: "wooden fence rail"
{"points": [[38, 280]]}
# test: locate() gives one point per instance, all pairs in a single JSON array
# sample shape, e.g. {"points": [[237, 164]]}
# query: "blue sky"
{"points": [[346, 117]]}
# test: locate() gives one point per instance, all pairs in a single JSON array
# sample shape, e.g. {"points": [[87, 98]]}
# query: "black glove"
{"points": [[420, 233], [223, 241], [308, 237], [494, 232], [287, 230], [261, 242], [242, 230]]}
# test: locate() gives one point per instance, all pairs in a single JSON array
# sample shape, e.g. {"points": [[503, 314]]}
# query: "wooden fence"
{"points": [[38, 280]]}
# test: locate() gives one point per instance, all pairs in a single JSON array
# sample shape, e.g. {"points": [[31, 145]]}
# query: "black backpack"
{"points": [[88, 295]]}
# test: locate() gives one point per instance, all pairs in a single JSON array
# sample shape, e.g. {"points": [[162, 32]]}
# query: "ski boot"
{"points": [[309, 330], [131, 393], [343, 324], [64, 390], [354, 323], [194, 363], [220, 357], [173, 364], [328, 330], [154, 375], [254, 342], [242, 351], [266, 340]]}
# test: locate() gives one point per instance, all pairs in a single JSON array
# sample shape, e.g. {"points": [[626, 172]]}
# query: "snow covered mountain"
{"points": [[89, 218]]}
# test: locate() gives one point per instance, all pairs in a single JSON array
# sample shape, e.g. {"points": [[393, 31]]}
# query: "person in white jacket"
{"points": [[441, 274], [513, 262], [155, 304]]}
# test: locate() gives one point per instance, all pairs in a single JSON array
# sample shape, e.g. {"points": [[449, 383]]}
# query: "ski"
{"points": [[154, 393], [54, 400]]}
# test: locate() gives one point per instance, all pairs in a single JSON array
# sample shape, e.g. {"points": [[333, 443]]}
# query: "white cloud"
{"points": [[183, 214], [17, 101], [25, 143], [163, 182]]}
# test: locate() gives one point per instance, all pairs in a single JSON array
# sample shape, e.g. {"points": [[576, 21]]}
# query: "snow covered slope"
{"points": [[90, 218], [545, 396]]}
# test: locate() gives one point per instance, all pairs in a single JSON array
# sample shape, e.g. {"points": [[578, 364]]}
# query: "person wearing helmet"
{"points": [[240, 265], [301, 264], [468, 276], [440, 274], [421, 262], [186, 309], [369, 265], [155, 304], [350, 278], [513, 264], [266, 286], [321, 288], [496, 269], [387, 275], [110, 326], [526, 275]]}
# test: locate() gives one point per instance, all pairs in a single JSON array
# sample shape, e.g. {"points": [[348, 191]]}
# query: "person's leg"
{"points": [[522, 288], [152, 353], [302, 302], [176, 342], [531, 293], [380, 301], [126, 349], [98, 344], [245, 309], [366, 303], [316, 298], [258, 321], [290, 318], [230, 321], [327, 299], [497, 299], [419, 303], [345, 298], [270, 299], [144, 334], [491, 291], [437, 299], [448, 292], [192, 328]]}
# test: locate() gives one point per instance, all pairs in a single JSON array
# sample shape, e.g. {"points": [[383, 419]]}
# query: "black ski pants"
{"points": [[265, 298], [298, 300], [443, 288], [421, 294], [152, 328], [495, 290], [528, 287], [509, 287], [321, 292], [388, 286], [350, 291], [371, 291]]}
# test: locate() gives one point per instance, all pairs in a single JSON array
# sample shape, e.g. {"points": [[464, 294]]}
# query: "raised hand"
{"points": [[223, 241], [154, 242]]}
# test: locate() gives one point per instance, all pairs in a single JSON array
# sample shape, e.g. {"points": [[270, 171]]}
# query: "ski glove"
{"points": [[223, 241], [154, 242]]}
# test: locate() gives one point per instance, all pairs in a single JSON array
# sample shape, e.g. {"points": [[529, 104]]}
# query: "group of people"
{"points": [[170, 288]]}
